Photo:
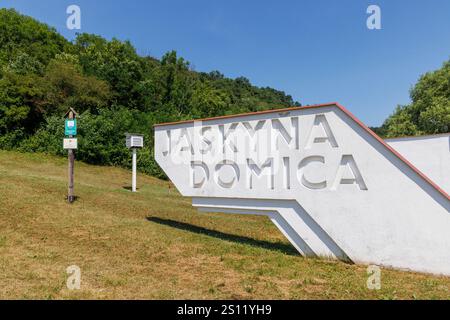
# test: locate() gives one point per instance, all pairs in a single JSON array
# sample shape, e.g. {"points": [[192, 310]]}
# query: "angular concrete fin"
{"points": [[331, 185]]}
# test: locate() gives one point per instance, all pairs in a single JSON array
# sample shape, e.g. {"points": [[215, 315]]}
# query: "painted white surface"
{"points": [[134, 169], [430, 154], [70, 143], [330, 186], [134, 140]]}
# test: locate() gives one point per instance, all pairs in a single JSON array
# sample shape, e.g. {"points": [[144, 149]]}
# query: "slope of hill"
{"points": [[152, 244]]}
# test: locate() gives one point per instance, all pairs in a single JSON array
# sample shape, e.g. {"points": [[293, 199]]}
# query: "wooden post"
{"points": [[71, 158]]}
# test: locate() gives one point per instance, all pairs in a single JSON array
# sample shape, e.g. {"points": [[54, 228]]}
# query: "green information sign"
{"points": [[70, 128]]}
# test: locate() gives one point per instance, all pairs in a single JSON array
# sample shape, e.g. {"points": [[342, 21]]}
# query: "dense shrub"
{"points": [[101, 138]]}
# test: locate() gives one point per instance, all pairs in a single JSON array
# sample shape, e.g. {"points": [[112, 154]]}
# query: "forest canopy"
{"points": [[429, 112]]}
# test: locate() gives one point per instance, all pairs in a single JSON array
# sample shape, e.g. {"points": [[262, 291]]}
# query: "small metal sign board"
{"points": [[71, 143], [134, 140], [70, 128]]}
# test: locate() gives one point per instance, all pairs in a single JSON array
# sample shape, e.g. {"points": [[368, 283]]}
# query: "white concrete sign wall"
{"points": [[430, 154], [330, 185]]}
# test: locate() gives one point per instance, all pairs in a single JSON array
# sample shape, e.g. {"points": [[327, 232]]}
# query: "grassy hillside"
{"points": [[152, 244]]}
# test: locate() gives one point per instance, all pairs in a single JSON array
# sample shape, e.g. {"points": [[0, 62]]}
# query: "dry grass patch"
{"points": [[153, 244]]}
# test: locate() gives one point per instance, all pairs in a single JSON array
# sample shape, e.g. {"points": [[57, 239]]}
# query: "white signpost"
{"points": [[330, 185], [134, 141]]}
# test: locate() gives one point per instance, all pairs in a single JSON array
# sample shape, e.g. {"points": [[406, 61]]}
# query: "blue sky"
{"points": [[317, 51]]}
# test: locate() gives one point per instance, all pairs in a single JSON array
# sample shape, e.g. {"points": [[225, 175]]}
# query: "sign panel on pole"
{"points": [[70, 128], [71, 143]]}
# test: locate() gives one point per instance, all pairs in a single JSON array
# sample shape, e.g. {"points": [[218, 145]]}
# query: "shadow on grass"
{"points": [[281, 247], [74, 198], [129, 188]]}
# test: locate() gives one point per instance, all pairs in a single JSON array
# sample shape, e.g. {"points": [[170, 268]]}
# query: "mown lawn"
{"points": [[154, 245]]}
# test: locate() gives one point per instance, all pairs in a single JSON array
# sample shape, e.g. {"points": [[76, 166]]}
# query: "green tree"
{"points": [[207, 101], [23, 64], [21, 34], [18, 108], [178, 83], [429, 112], [63, 86], [115, 62]]}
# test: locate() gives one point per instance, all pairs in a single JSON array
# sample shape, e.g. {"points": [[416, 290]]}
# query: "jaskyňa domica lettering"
{"points": [[281, 151]]}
